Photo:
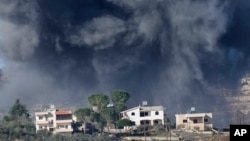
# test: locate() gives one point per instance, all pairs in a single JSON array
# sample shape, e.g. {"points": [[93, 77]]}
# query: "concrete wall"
{"points": [[51, 114], [151, 117], [189, 124]]}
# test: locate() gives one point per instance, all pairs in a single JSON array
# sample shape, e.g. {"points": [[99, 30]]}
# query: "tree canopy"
{"points": [[124, 122], [17, 124], [119, 96], [18, 111], [108, 114], [100, 100], [82, 113]]}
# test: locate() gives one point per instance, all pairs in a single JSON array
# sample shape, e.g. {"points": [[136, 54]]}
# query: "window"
{"points": [[184, 121], [63, 117], [132, 114], [156, 113], [133, 123], [144, 122], [205, 120], [51, 129], [156, 122], [40, 118], [144, 114], [40, 127], [51, 122], [60, 126], [66, 126], [195, 121]]}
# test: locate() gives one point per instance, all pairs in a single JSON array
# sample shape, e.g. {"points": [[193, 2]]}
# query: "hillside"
{"points": [[239, 101]]}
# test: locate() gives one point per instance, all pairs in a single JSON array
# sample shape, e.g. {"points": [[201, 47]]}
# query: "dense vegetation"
{"points": [[17, 125], [100, 114]]}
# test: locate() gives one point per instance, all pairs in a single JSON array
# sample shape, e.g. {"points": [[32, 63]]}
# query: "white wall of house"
{"points": [[42, 120], [148, 116], [135, 117], [65, 127]]}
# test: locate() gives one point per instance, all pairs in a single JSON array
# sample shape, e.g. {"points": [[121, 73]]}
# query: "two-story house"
{"points": [[145, 115], [55, 120]]}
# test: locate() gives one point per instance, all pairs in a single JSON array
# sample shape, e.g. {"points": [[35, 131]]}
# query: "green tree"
{"points": [[6, 118], [83, 115], [18, 111], [109, 115], [98, 121], [119, 96], [43, 135], [95, 117], [120, 107], [99, 100], [18, 125], [124, 122]]}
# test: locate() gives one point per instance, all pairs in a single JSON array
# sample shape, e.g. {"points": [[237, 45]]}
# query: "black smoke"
{"points": [[167, 52]]}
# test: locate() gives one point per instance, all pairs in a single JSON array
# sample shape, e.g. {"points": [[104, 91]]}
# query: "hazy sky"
{"points": [[169, 52], [1, 63]]}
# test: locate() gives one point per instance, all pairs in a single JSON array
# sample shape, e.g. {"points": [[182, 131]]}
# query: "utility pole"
{"points": [[169, 131]]}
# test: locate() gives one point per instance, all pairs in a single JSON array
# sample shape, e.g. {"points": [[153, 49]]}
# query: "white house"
{"points": [[145, 115], [55, 120]]}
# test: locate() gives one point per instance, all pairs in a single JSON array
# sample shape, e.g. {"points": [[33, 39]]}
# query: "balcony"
{"points": [[42, 122], [64, 121], [41, 113], [63, 130]]}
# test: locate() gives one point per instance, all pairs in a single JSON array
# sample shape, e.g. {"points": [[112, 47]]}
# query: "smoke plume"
{"points": [[174, 53]]}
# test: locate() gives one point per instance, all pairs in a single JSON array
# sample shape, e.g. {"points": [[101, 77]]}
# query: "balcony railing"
{"points": [[41, 113], [63, 130], [42, 122], [64, 121]]}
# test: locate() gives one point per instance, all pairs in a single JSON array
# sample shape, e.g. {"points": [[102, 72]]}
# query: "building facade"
{"points": [[151, 115], [54, 120], [198, 121]]}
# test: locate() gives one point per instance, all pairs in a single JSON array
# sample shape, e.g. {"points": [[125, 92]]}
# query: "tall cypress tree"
{"points": [[18, 111]]}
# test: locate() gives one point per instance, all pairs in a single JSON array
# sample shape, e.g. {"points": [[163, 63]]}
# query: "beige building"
{"points": [[55, 120], [198, 121]]}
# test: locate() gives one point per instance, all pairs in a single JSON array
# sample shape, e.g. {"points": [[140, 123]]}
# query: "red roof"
{"points": [[62, 112]]}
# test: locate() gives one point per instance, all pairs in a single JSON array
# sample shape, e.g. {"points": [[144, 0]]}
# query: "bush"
{"points": [[124, 122]]}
